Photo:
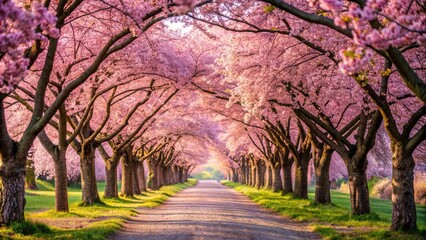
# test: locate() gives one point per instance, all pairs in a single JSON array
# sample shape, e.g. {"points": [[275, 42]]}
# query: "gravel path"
{"points": [[211, 211]]}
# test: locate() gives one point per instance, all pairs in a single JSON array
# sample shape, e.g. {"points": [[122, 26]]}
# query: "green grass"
{"points": [[97, 221], [334, 221], [381, 207]]}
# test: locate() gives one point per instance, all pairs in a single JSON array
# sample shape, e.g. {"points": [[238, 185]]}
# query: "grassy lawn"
{"points": [[94, 222], [334, 221]]}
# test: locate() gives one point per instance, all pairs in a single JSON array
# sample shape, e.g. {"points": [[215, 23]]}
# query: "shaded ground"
{"points": [[211, 211]]}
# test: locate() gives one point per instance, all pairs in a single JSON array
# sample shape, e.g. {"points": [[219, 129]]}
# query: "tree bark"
{"points": [[61, 181], [404, 216], [185, 174], [247, 173], [30, 179], [253, 175], [12, 190], [287, 179], [152, 175], [277, 184], [180, 174], [322, 176], [301, 177], [126, 176], [166, 176], [269, 178], [141, 176], [160, 176], [360, 201], [260, 176], [90, 193], [111, 188], [135, 185], [234, 175]]}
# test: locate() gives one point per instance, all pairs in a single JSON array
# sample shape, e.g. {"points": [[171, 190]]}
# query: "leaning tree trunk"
{"points": [[277, 184], [322, 176], [12, 189], [358, 187], [403, 204], [88, 175], [61, 181], [126, 176], [301, 177]]}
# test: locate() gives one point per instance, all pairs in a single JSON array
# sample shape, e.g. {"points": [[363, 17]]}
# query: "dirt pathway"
{"points": [[211, 211]]}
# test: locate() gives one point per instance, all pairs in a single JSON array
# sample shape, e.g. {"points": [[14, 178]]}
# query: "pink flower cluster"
{"points": [[403, 23], [328, 5], [17, 31], [353, 60]]}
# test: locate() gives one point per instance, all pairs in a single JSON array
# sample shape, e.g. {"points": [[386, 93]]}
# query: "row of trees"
{"points": [[299, 107], [96, 86], [302, 80]]}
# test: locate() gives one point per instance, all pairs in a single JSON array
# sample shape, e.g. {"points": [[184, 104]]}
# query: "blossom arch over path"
{"points": [[264, 87]]}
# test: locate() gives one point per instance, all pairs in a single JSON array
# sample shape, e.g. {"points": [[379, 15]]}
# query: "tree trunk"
{"points": [[253, 175], [141, 176], [152, 175], [247, 173], [61, 181], [287, 180], [12, 190], [126, 176], [268, 178], [30, 179], [166, 176], [180, 174], [404, 208], [160, 176], [185, 174], [358, 188], [111, 188], [136, 187], [88, 175], [277, 184], [322, 176], [234, 175], [260, 176], [175, 174], [301, 178]]}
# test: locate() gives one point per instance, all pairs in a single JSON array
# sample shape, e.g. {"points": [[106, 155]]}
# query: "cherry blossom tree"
{"points": [[118, 37]]}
